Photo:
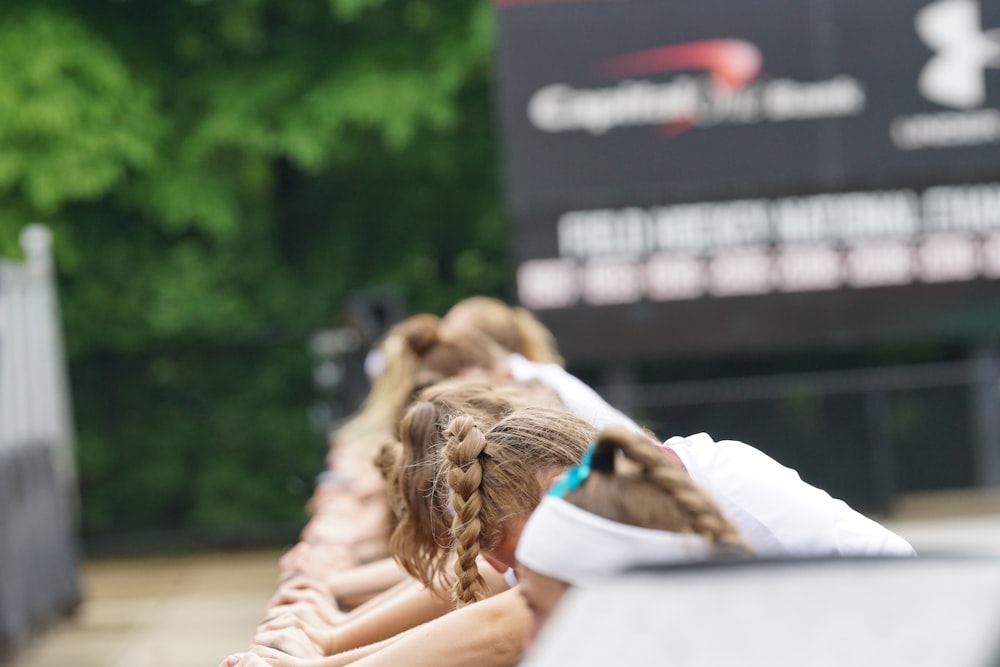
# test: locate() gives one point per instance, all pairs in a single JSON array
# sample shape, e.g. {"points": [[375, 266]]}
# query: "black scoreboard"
{"points": [[713, 176]]}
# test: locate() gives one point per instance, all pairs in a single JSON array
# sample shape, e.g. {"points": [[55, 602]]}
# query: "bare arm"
{"points": [[381, 598], [355, 654], [486, 634], [404, 607], [370, 578], [495, 583], [409, 606]]}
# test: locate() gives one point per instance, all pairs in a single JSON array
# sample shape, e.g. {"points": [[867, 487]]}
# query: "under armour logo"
{"points": [[956, 75]]}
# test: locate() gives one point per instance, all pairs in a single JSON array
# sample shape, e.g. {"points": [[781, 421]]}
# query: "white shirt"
{"points": [[578, 398], [776, 512]]}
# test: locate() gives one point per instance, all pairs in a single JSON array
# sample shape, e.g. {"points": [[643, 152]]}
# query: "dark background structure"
{"points": [[225, 179]]}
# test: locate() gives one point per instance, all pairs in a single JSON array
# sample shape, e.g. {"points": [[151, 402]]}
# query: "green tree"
{"points": [[220, 177]]}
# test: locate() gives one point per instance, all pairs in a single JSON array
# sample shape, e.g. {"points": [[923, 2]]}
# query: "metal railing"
{"points": [[38, 491], [865, 434]]}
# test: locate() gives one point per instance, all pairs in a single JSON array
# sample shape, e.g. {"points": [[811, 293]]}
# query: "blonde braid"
{"points": [[646, 488], [701, 512], [463, 451]]}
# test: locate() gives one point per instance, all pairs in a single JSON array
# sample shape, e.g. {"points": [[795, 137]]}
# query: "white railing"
{"points": [[38, 491], [34, 395]]}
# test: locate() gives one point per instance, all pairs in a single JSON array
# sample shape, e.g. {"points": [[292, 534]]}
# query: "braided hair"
{"points": [[644, 487]]}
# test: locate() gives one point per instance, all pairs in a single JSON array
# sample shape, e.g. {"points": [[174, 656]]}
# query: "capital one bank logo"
{"points": [[955, 76], [677, 87]]}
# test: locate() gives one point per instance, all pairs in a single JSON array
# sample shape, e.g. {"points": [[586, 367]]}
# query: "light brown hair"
{"points": [[496, 473], [515, 328], [373, 424], [421, 540], [441, 352], [632, 481], [417, 352]]}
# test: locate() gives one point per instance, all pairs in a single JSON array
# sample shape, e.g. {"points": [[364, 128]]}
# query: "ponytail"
{"points": [[636, 497], [537, 342]]}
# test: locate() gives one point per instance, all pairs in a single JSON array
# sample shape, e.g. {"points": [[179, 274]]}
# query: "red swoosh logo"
{"points": [[731, 63]]}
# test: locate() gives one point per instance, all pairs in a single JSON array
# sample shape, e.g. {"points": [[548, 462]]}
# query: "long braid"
{"points": [[704, 514], [464, 450], [422, 540], [692, 510]]}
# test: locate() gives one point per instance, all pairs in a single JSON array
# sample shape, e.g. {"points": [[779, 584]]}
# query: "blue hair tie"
{"points": [[572, 479]]}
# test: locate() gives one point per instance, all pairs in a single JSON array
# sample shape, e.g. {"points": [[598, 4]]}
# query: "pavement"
{"points": [[193, 611], [188, 611], [947, 521]]}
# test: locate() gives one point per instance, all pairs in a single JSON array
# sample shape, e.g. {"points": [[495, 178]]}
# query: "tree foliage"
{"points": [[220, 176]]}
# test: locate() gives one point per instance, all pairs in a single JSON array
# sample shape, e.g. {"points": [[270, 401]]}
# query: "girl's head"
{"points": [[361, 436], [421, 540], [441, 352], [627, 504], [495, 475], [513, 327]]}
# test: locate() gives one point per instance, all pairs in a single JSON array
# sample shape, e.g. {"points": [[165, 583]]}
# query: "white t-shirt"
{"points": [[578, 398], [776, 512]]}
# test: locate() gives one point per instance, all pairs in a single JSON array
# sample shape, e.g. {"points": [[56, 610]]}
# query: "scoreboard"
{"points": [[714, 176]]}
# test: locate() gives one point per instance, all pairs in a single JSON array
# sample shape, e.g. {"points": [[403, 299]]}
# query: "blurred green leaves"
{"points": [[74, 122], [220, 176]]}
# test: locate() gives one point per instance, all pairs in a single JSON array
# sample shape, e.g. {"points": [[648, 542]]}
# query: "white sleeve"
{"points": [[578, 398], [774, 510]]}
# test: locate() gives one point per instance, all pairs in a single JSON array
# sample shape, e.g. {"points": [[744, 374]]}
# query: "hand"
{"points": [[303, 610], [245, 660], [290, 640], [262, 656], [323, 604], [303, 581], [321, 635]]}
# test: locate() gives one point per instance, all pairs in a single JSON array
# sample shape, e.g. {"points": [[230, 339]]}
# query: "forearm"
{"points": [[409, 606], [486, 634], [355, 654], [382, 598], [372, 577], [400, 608]]}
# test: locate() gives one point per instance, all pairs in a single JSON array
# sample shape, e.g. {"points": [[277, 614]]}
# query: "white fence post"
{"points": [[38, 492]]}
